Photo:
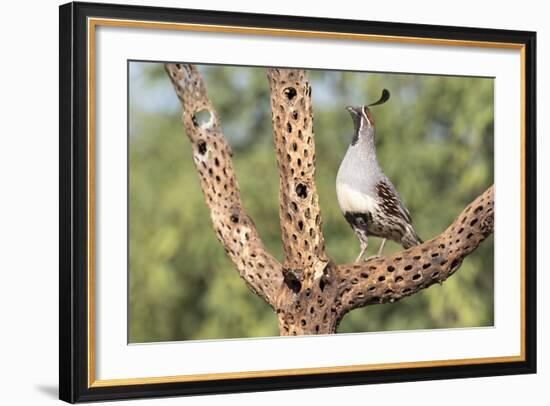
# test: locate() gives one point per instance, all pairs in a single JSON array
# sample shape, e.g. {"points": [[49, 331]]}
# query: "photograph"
{"points": [[267, 201]]}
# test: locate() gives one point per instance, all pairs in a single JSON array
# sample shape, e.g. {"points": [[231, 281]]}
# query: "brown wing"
{"points": [[391, 203]]}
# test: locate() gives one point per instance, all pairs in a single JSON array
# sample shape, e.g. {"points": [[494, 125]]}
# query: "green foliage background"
{"points": [[434, 141]]}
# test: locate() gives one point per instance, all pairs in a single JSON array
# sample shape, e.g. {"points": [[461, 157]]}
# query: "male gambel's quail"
{"points": [[368, 199]]}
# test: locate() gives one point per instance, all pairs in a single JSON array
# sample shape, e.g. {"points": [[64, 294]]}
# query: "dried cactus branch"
{"points": [[299, 211], [212, 156], [388, 279]]}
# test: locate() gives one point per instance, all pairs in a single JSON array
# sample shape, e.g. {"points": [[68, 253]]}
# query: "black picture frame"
{"points": [[73, 284]]}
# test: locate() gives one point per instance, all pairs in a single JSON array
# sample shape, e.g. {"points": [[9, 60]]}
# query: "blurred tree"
{"points": [[434, 140]]}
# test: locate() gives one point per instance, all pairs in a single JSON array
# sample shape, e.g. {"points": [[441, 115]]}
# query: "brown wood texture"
{"points": [[212, 156]]}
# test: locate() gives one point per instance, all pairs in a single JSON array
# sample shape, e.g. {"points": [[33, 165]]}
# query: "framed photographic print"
{"points": [[256, 202]]}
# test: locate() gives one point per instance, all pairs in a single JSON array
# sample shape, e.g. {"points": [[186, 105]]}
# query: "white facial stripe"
{"points": [[365, 115], [360, 124]]}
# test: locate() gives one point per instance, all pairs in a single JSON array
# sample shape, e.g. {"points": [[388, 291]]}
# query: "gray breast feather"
{"points": [[361, 186], [360, 171]]}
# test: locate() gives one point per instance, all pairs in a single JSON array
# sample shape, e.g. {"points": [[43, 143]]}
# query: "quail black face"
{"points": [[356, 116], [363, 122]]}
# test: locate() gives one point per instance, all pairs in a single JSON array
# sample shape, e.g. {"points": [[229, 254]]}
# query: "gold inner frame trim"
{"points": [[94, 22]]}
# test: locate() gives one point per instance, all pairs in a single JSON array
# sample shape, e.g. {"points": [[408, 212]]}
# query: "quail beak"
{"points": [[354, 111]]}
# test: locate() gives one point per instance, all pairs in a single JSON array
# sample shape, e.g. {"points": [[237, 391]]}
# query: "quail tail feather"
{"points": [[410, 238]]}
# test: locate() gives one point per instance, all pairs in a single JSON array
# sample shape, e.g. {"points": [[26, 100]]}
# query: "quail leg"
{"points": [[381, 247], [379, 250], [364, 244]]}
